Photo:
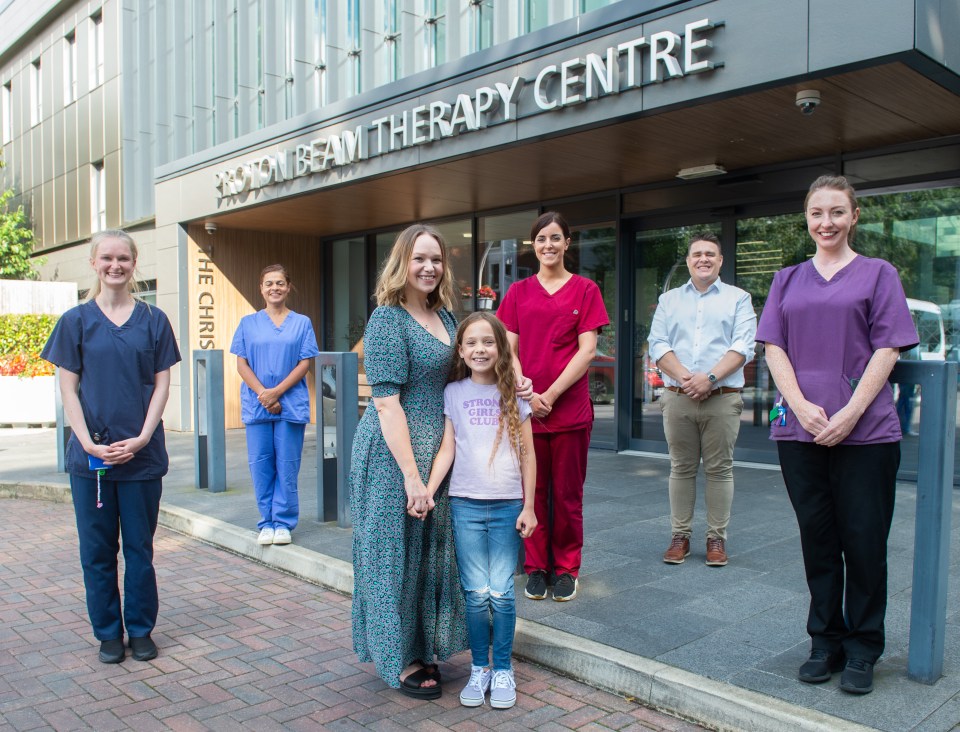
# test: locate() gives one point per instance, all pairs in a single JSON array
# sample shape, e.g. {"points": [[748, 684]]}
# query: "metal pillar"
{"points": [[209, 433], [63, 429], [338, 410], [931, 543]]}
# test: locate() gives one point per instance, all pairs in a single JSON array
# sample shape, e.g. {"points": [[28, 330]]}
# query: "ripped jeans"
{"points": [[488, 545]]}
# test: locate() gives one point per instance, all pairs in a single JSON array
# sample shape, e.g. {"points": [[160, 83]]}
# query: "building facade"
{"points": [[229, 134]]}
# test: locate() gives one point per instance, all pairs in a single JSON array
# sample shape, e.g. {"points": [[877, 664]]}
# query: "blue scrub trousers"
{"points": [[130, 509], [273, 451]]}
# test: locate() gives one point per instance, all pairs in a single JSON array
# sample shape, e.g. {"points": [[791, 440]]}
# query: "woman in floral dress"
{"points": [[407, 605]]}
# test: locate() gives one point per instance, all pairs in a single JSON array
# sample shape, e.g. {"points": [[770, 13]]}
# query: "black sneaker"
{"points": [[565, 588], [144, 649], [857, 677], [820, 666], [112, 651], [536, 588]]}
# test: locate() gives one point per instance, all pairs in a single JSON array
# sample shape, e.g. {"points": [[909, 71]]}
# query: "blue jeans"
{"points": [[488, 545]]}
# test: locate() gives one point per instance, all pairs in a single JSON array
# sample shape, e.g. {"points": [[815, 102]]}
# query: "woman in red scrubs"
{"points": [[553, 344]]}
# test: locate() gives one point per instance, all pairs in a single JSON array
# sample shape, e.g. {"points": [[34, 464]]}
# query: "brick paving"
{"points": [[241, 645]]}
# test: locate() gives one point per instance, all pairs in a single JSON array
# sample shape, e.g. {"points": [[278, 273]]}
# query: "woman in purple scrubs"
{"points": [[273, 348], [833, 327], [115, 353]]}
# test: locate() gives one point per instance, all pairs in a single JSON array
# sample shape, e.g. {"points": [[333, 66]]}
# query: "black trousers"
{"points": [[843, 497]]}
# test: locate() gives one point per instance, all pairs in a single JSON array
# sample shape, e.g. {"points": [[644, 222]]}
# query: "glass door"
{"points": [[658, 260]]}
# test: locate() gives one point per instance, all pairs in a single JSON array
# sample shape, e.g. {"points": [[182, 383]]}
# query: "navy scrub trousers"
{"points": [[130, 509]]}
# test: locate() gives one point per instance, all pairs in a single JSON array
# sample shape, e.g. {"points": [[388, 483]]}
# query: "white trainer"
{"points": [[282, 535], [503, 690], [476, 689], [266, 535]]}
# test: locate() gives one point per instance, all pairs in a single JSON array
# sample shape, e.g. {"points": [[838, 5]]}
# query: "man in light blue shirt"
{"points": [[701, 336]]}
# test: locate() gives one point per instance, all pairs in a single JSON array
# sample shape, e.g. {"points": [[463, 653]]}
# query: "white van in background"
{"points": [[929, 321]]}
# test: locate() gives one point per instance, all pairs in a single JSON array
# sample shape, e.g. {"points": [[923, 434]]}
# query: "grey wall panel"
{"points": [[45, 151], [70, 140], [96, 125], [44, 223], [842, 32], [111, 115], [83, 200], [82, 138], [112, 17], [58, 148], [60, 208]]}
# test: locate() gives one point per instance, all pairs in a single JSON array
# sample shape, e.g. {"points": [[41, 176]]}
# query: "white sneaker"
{"points": [[266, 535], [476, 688], [503, 690], [281, 535]]}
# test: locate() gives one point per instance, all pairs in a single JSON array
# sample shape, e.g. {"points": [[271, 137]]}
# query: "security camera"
{"points": [[808, 100], [210, 227]]}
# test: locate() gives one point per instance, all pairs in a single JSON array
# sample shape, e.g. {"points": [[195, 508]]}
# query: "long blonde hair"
{"points": [[392, 282], [506, 380], [133, 286]]}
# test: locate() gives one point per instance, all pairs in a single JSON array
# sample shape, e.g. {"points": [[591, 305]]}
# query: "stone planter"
{"points": [[27, 401], [485, 303]]}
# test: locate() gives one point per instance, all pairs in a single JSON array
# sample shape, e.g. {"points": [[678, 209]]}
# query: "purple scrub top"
{"points": [[830, 330]]}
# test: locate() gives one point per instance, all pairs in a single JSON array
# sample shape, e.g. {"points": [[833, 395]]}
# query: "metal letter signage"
{"points": [[582, 79]]}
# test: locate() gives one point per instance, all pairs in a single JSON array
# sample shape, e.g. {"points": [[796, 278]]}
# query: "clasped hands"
{"points": [[419, 497], [696, 386], [826, 431], [120, 452], [270, 400]]}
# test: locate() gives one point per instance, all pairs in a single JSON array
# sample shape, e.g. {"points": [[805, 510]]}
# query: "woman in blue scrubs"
{"points": [[115, 353], [273, 348]]}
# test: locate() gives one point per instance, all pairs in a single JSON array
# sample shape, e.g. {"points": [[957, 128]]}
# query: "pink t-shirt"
{"points": [[548, 327]]}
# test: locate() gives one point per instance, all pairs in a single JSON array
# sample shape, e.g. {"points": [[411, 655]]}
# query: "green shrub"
{"points": [[22, 337]]}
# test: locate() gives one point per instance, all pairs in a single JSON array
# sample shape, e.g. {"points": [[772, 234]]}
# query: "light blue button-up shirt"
{"points": [[701, 327]]}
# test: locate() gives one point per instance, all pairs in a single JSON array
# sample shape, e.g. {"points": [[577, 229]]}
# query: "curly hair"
{"points": [[392, 282], [506, 381]]}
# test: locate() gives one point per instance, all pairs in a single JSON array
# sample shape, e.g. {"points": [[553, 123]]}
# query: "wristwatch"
{"points": [[712, 378]]}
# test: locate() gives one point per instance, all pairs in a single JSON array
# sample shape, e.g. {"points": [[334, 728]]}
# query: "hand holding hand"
{"points": [[526, 523], [540, 406], [122, 451], [268, 397], [697, 386], [524, 388], [419, 499], [275, 409]]}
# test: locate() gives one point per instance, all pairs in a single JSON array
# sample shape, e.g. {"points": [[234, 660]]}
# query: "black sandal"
{"points": [[412, 685]]}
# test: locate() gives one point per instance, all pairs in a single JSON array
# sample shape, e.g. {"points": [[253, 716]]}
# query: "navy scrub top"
{"points": [[117, 366], [272, 352]]}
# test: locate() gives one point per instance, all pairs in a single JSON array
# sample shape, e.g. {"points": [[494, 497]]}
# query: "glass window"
{"points": [[587, 5], [147, 291], [70, 68], [355, 36], [6, 102], [391, 36], [538, 14], [98, 197], [482, 19], [96, 50], [36, 94], [436, 32], [501, 238]]}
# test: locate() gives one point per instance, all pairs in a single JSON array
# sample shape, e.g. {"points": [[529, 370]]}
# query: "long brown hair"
{"points": [[392, 282], [506, 380]]}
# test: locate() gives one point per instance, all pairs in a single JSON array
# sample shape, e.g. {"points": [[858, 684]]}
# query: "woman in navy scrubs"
{"points": [[115, 353], [273, 348]]}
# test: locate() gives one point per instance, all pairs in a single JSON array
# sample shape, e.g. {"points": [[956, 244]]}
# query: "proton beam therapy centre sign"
{"points": [[630, 65]]}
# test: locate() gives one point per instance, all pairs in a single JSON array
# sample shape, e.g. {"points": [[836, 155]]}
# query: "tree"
{"points": [[16, 243]]}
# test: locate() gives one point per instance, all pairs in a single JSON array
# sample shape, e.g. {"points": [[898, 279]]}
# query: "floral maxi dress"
{"points": [[407, 603]]}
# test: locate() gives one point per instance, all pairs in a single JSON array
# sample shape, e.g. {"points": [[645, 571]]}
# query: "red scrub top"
{"points": [[548, 327]]}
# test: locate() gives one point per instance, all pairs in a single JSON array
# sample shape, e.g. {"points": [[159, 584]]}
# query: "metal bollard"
{"points": [[931, 543], [337, 402], [209, 433]]}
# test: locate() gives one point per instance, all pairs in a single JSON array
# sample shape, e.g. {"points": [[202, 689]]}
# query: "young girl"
{"points": [[488, 430]]}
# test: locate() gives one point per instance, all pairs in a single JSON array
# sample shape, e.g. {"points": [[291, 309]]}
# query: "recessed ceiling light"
{"points": [[701, 171]]}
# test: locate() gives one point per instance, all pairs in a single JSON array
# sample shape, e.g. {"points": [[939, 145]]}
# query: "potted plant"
{"points": [[486, 297]]}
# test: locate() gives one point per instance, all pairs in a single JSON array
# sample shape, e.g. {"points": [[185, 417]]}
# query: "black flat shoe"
{"points": [[112, 651], [411, 685], [143, 649]]}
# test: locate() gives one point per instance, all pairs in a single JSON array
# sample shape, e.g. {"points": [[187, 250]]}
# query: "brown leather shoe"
{"points": [[716, 554], [678, 551]]}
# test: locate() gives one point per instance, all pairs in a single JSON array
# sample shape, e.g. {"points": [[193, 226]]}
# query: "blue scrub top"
{"points": [[273, 352], [116, 366]]}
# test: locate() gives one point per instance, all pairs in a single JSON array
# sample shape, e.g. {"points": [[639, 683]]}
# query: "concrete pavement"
{"points": [[718, 645]]}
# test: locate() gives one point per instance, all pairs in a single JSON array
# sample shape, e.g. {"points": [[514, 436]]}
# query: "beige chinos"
{"points": [[707, 428]]}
